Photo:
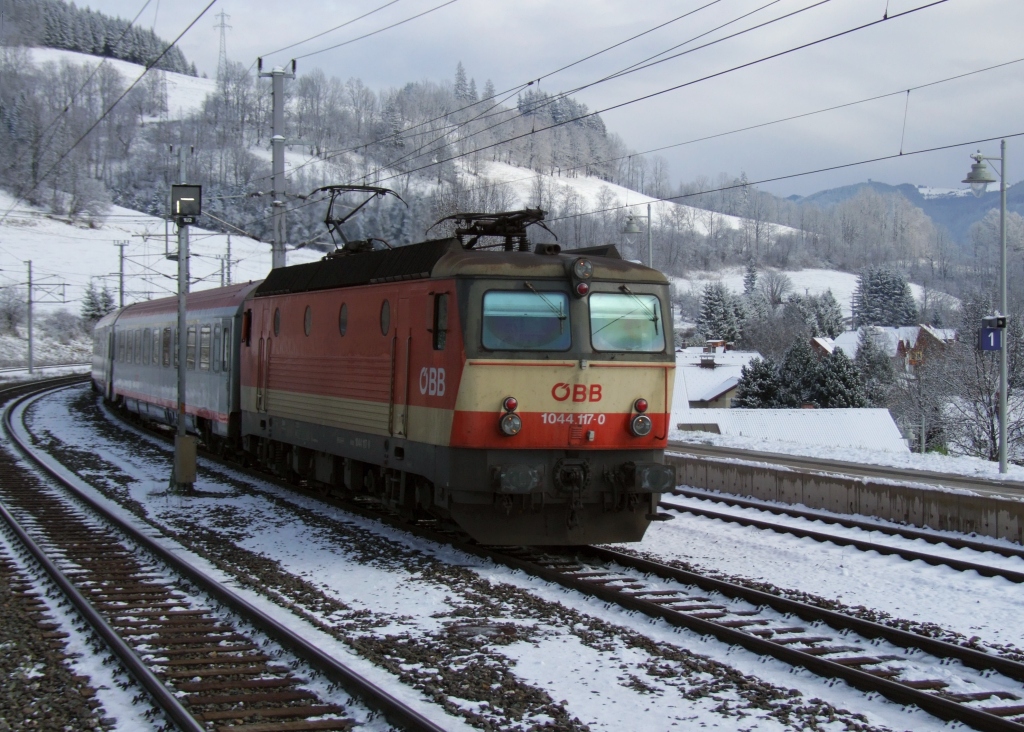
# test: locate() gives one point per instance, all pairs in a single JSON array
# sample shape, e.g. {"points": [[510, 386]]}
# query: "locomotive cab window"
{"points": [[526, 321], [626, 322], [440, 321]]}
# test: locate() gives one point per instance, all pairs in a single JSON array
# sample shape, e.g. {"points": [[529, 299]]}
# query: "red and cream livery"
{"points": [[523, 395]]}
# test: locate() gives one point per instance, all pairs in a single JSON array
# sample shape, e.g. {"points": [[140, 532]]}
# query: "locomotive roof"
{"points": [[441, 258]]}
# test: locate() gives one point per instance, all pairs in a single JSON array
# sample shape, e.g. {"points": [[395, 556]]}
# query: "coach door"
{"points": [[401, 366]]}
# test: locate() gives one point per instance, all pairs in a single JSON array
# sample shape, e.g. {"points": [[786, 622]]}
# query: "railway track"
{"points": [[952, 682], [907, 533], [985, 485], [204, 667]]}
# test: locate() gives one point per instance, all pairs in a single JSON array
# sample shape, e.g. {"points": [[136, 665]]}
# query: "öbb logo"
{"points": [[578, 392], [432, 381]]}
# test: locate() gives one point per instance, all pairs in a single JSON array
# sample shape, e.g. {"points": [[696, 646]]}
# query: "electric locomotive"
{"points": [[522, 393]]}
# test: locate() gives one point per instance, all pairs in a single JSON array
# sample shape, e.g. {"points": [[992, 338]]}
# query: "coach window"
{"points": [[385, 317], [138, 346], [440, 321], [120, 346], [177, 347], [204, 348], [225, 362], [156, 347], [216, 348], [167, 346], [129, 352], [307, 320], [147, 342], [277, 322], [343, 319], [190, 348], [526, 321]]}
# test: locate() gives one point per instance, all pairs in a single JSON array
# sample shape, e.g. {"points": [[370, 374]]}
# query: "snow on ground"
{"points": [[77, 254], [14, 349], [185, 94], [929, 192], [964, 602], [595, 685], [805, 282], [931, 461]]}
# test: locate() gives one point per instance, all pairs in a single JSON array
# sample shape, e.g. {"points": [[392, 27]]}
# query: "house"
{"points": [[707, 378], [908, 345], [822, 346]]}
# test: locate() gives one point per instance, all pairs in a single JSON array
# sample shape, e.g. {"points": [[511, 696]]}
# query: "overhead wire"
{"points": [[379, 30], [789, 176], [329, 30], [676, 87]]}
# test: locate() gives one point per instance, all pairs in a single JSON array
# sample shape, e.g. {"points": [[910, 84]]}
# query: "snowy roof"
{"points": [[945, 335], [887, 338], [716, 391], [694, 383], [825, 344], [872, 429]]}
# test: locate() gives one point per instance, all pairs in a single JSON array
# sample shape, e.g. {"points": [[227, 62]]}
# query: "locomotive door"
{"points": [[263, 361], [401, 365]]}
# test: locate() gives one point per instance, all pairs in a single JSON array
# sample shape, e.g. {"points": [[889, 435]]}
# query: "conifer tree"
{"points": [[760, 386], [828, 316], [96, 304], [877, 373], [461, 84], [883, 297], [798, 375], [718, 313], [838, 385], [750, 279]]}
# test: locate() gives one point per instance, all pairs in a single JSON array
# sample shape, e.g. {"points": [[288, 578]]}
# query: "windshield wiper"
{"points": [[557, 310], [652, 312]]}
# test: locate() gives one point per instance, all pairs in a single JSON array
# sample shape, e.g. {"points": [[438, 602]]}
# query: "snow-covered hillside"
{"points": [[185, 94], [805, 282], [76, 255]]}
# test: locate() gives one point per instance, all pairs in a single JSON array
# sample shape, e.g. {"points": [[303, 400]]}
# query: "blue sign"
{"points": [[991, 339]]}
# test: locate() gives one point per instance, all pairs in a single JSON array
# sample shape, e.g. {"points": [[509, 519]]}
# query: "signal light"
{"points": [[641, 425], [582, 289], [511, 424], [640, 405], [510, 404]]}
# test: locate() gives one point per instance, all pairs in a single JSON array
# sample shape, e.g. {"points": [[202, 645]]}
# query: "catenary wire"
{"points": [[329, 30], [380, 30]]}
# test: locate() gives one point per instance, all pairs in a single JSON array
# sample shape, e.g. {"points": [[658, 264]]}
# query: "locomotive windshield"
{"points": [[627, 322], [526, 321]]}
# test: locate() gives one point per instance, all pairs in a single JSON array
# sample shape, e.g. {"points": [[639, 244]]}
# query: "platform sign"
{"points": [[991, 339]]}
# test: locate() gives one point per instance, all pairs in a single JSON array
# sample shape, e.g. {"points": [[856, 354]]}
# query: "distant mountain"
{"points": [[950, 209]]}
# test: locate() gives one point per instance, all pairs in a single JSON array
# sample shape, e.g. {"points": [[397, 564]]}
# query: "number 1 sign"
{"points": [[991, 339]]}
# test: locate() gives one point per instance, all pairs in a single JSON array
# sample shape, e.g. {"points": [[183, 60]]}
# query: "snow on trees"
{"points": [[883, 297], [760, 386], [721, 313]]}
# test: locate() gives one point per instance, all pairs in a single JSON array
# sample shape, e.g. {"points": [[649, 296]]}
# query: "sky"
{"points": [[511, 43]]}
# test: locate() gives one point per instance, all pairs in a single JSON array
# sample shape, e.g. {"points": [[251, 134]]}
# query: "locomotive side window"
{"points": [[440, 321], [167, 346], [307, 320], [526, 321], [626, 322], [385, 317], [190, 348], [277, 322], [204, 348], [343, 319]]}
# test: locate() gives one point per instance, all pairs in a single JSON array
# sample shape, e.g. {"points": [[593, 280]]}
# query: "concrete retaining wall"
{"points": [[921, 506]]}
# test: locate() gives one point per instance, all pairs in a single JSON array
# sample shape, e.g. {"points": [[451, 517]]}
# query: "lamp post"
{"points": [[632, 227], [979, 179]]}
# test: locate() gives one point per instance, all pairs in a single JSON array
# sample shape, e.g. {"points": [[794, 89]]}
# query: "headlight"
{"points": [[511, 424], [641, 425], [583, 269]]}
